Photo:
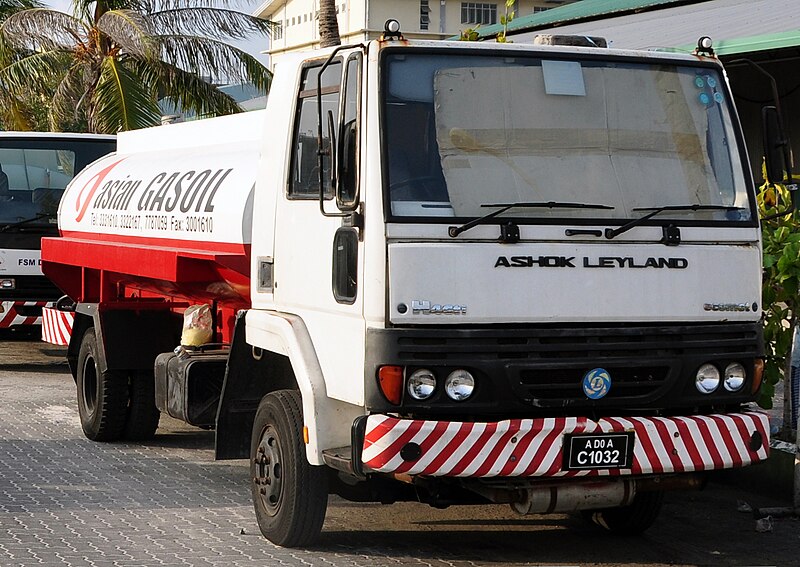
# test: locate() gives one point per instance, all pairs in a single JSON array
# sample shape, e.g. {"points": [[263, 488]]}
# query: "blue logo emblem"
{"points": [[596, 383]]}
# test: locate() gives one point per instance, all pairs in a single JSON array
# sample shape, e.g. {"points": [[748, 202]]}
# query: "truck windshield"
{"points": [[35, 171], [465, 130]]}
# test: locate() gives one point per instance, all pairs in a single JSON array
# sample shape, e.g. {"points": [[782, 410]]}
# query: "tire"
{"points": [[143, 415], [102, 396], [629, 520], [290, 496]]}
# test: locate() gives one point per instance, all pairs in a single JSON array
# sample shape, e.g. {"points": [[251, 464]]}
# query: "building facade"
{"points": [[360, 20]]}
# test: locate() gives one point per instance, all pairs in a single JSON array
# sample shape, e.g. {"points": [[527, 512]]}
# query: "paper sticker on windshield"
{"points": [[563, 78]]}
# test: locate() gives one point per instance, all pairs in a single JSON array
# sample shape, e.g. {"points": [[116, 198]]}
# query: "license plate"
{"points": [[598, 451]]}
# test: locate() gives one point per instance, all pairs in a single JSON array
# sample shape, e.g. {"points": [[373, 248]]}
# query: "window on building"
{"points": [[478, 13], [277, 31], [424, 14], [537, 9]]}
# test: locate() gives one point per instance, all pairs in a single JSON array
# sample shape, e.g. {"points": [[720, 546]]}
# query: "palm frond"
{"points": [[34, 72], [215, 23], [191, 93], [8, 7], [153, 6], [14, 116], [42, 28], [205, 56], [121, 100], [130, 30], [68, 98]]}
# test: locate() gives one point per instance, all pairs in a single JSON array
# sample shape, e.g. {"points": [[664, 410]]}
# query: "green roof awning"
{"points": [[577, 11], [750, 44]]}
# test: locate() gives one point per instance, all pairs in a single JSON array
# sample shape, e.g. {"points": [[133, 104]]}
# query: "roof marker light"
{"points": [[705, 46]]}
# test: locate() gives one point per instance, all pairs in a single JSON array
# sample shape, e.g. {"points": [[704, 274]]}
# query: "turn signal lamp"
{"points": [[758, 374], [390, 380]]}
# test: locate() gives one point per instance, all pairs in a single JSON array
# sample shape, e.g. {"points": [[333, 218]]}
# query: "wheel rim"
{"points": [[89, 385], [268, 477]]}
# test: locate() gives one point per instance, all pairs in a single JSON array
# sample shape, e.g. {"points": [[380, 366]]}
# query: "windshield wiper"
{"points": [[613, 232], [40, 216], [454, 231]]}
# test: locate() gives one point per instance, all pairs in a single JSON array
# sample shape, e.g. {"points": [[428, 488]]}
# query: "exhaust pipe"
{"points": [[597, 495], [571, 498]]}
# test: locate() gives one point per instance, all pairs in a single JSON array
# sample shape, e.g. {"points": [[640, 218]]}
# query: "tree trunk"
{"points": [[328, 25]]}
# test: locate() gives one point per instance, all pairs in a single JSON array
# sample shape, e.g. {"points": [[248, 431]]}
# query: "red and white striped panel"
{"points": [[533, 447], [56, 326], [10, 316]]}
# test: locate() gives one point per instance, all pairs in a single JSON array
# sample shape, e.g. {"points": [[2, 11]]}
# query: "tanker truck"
{"points": [[452, 273]]}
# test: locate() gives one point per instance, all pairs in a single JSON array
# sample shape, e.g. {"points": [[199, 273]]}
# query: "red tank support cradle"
{"points": [[114, 272]]}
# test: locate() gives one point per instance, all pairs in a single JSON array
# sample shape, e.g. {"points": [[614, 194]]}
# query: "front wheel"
{"points": [[102, 396], [629, 520], [290, 495]]}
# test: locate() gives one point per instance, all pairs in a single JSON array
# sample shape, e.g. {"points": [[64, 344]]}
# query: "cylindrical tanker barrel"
{"points": [[170, 212]]}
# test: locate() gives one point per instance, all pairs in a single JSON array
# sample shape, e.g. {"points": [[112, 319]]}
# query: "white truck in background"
{"points": [[35, 167], [442, 272]]}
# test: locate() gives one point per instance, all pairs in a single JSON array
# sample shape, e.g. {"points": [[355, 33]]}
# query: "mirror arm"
{"points": [[331, 151], [787, 153]]}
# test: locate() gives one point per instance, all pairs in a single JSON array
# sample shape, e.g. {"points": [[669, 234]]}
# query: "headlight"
{"points": [[421, 384], [735, 375], [707, 379], [459, 385], [8, 283]]}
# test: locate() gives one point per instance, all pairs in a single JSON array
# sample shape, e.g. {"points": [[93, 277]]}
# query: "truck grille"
{"points": [[578, 343], [565, 383], [544, 366], [31, 288]]}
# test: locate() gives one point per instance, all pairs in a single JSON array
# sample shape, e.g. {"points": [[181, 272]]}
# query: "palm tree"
{"points": [[111, 61], [13, 113], [8, 7], [328, 25]]}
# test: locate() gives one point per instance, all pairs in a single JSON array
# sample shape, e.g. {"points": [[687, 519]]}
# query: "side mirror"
{"points": [[347, 190], [774, 144]]}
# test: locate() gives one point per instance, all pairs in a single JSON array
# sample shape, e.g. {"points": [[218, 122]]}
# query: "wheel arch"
{"points": [[274, 351], [83, 321], [127, 339]]}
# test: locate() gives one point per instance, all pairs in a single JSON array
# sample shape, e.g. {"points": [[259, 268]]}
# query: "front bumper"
{"points": [[21, 313], [534, 447]]}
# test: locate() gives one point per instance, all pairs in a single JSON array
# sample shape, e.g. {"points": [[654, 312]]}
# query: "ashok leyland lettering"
{"points": [[35, 168], [440, 272]]}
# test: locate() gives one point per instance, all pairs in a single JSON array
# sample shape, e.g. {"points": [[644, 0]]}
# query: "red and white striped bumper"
{"points": [[56, 326], [12, 313], [533, 447]]}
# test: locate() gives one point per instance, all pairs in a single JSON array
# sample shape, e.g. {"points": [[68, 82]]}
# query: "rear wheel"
{"points": [[290, 495], [102, 396], [143, 415], [629, 520]]}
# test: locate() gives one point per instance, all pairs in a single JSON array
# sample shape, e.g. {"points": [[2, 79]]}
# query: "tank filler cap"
{"points": [[570, 40]]}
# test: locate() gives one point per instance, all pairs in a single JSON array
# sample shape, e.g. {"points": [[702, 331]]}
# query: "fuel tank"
{"points": [[170, 212]]}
